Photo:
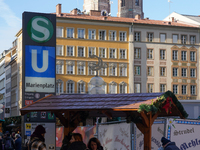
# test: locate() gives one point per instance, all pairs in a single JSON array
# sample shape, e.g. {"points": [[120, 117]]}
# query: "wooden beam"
{"points": [[62, 118], [145, 119], [108, 114]]}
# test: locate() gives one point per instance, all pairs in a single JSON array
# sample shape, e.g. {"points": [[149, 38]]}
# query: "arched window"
{"points": [[70, 87], [81, 87], [112, 87], [123, 87], [59, 86]]}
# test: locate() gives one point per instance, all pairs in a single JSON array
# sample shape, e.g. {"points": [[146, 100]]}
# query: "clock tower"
{"points": [[130, 8], [99, 5]]}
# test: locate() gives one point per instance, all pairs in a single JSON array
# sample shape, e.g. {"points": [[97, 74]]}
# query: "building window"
{"points": [[2, 84], [193, 90], [70, 32], [137, 70], [162, 54], [59, 67], [81, 33], [112, 53], [175, 38], [102, 35], [70, 67], [122, 36], [137, 88], [162, 37], [59, 31], [92, 34], [183, 55], [122, 88], [59, 86], [102, 52], [184, 89], [137, 36], [150, 71], [136, 2], [183, 39], [122, 70], [103, 72], [112, 35], [137, 53], [112, 88], [81, 87], [122, 53], [184, 72], [149, 53], [175, 72], [162, 87], [70, 87], [162, 71], [122, 3], [175, 89], [149, 37], [91, 51], [81, 68], [150, 88], [112, 69], [59, 50], [90, 71], [70, 51], [192, 56], [81, 52], [192, 73], [192, 39], [175, 55]]}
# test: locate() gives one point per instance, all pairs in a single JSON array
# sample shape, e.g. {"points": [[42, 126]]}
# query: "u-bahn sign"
{"points": [[39, 58]]}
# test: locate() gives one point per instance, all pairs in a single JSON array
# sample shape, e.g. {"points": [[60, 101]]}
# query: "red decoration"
{"points": [[167, 105]]}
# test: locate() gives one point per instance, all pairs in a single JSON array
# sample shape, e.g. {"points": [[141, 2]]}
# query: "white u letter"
{"points": [[45, 61]]}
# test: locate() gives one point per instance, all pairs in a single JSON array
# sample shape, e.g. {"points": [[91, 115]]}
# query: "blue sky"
{"points": [[11, 12]]}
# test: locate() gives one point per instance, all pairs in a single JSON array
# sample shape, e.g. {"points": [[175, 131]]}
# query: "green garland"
{"points": [[154, 107]]}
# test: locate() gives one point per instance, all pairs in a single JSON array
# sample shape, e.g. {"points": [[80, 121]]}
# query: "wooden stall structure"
{"points": [[140, 108]]}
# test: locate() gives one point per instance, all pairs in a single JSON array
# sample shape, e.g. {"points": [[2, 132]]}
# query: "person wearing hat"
{"points": [[18, 142], [168, 145], [37, 139]]}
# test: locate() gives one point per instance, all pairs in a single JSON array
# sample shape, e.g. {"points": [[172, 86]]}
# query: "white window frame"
{"points": [[174, 38], [184, 55], [113, 85], [122, 88], [122, 70], [100, 49], [90, 71], [175, 89], [70, 63], [150, 71], [58, 32], [81, 65], [162, 87], [115, 55], [71, 34], [162, 54], [112, 69], [103, 70], [80, 36], [163, 71], [175, 55], [149, 37], [61, 87], [192, 72], [184, 89], [150, 88], [91, 36], [183, 72], [73, 49], [70, 82], [125, 54], [78, 51], [122, 36], [100, 36], [112, 35], [82, 83], [192, 56], [59, 50], [193, 89], [192, 39], [183, 39], [137, 88], [93, 49], [175, 72], [137, 70], [137, 53], [162, 37], [60, 64], [149, 53], [137, 36]]}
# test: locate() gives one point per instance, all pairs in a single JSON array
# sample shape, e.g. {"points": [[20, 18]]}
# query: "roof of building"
{"points": [[124, 20], [192, 17]]}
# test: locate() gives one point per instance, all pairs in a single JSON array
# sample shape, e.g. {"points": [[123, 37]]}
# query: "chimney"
{"points": [[58, 9], [95, 13], [137, 16], [172, 19], [74, 11]]}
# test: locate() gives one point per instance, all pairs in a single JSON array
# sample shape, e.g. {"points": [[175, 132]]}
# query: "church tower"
{"points": [[130, 8], [99, 5]]}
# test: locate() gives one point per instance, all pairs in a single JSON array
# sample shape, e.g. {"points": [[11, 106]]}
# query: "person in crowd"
{"points": [[8, 142], [13, 135], [18, 142], [66, 141], [1, 142], [94, 144], [37, 140], [168, 145], [77, 142]]}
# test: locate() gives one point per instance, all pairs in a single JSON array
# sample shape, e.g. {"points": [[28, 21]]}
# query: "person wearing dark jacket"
{"points": [[77, 142], [94, 144], [168, 145], [18, 142], [9, 143]]}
